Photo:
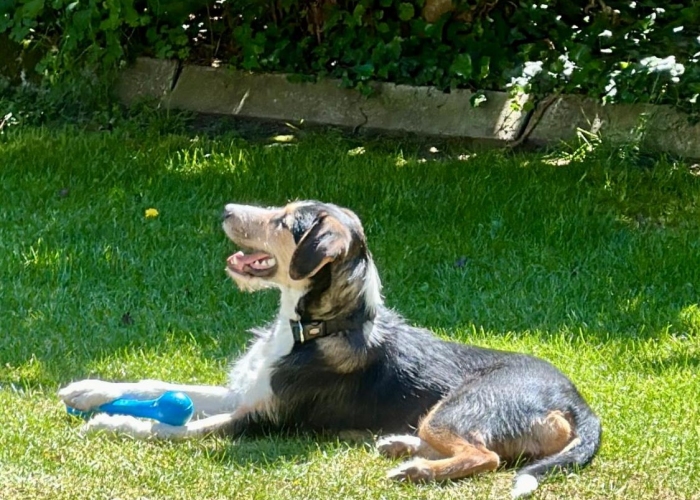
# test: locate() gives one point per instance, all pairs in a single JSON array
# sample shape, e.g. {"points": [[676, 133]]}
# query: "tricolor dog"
{"points": [[336, 359]]}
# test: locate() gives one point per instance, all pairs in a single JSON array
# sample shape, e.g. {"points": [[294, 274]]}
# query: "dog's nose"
{"points": [[229, 209]]}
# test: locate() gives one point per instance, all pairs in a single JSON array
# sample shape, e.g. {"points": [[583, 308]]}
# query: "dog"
{"points": [[336, 359]]}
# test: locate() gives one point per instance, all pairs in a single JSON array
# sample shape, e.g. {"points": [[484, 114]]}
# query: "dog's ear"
{"points": [[327, 240]]}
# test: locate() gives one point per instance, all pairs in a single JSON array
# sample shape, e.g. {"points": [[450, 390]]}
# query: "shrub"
{"points": [[616, 51]]}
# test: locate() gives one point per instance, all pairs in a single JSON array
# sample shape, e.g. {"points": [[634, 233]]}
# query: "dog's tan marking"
{"points": [[341, 356], [549, 436], [554, 433]]}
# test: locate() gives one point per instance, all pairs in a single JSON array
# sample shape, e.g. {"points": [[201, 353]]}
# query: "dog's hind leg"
{"points": [[468, 459], [464, 456]]}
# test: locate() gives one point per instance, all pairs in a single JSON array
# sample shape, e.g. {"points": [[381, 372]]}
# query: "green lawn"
{"points": [[594, 265]]}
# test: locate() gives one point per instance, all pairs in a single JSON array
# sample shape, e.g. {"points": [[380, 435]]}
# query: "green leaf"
{"points": [[358, 13], [484, 65], [32, 8], [129, 13], [386, 3], [462, 65], [81, 21], [406, 11], [365, 71]]}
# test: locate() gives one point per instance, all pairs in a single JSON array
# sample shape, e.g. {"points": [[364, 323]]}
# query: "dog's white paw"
{"points": [[88, 394], [413, 471], [119, 424], [398, 445]]}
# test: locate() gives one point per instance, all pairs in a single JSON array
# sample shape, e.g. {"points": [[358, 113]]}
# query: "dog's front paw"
{"points": [[119, 425], [413, 470], [89, 394]]}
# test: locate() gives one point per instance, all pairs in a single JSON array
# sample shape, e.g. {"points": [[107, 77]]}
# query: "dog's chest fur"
{"points": [[250, 375]]}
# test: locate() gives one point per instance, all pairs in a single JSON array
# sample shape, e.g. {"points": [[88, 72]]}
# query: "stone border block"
{"points": [[393, 108], [268, 96], [426, 110], [146, 79], [664, 129]]}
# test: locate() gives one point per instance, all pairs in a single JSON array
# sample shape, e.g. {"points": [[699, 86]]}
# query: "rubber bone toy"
{"points": [[172, 408]]}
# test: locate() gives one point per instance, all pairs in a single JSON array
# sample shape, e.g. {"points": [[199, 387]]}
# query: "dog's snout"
{"points": [[245, 214], [229, 210]]}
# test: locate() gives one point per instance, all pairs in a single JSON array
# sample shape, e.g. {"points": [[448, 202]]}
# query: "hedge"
{"points": [[616, 51]]}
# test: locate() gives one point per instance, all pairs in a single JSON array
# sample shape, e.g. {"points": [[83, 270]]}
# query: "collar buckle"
{"points": [[314, 329]]}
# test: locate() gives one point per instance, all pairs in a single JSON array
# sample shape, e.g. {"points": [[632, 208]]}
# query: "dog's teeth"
{"points": [[264, 264]]}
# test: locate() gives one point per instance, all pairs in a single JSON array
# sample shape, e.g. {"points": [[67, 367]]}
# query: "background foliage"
{"points": [[617, 51]]}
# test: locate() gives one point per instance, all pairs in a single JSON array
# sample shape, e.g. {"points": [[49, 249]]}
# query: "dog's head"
{"points": [[316, 252]]}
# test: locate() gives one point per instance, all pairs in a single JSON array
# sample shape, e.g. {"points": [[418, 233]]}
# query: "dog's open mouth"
{"points": [[253, 263]]}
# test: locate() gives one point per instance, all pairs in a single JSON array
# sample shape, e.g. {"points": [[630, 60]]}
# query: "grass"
{"points": [[594, 265]]}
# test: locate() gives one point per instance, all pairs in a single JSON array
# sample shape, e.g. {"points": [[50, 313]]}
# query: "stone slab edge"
{"points": [[146, 79], [661, 128]]}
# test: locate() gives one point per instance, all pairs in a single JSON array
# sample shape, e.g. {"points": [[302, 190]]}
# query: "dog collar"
{"points": [[305, 331]]}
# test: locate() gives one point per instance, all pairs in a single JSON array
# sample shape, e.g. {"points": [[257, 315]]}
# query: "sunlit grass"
{"points": [[593, 264]]}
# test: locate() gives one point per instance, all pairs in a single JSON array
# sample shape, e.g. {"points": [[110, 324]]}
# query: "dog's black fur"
{"points": [[394, 374]]}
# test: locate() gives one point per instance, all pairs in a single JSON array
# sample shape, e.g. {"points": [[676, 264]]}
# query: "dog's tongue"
{"points": [[239, 260]]}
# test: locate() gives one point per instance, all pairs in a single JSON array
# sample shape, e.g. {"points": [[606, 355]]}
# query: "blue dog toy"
{"points": [[172, 408]]}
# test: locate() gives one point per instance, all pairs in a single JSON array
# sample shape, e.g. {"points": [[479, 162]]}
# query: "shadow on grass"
{"points": [[673, 363], [270, 448]]}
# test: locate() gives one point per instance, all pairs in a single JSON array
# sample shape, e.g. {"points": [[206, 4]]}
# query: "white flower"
{"points": [[611, 87], [569, 66], [606, 34], [532, 68], [657, 65]]}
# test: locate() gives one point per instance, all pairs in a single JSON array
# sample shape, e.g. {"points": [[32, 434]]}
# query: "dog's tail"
{"points": [[577, 454]]}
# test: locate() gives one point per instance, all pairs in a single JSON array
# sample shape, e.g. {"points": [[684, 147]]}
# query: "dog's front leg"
{"points": [[89, 394], [224, 424]]}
